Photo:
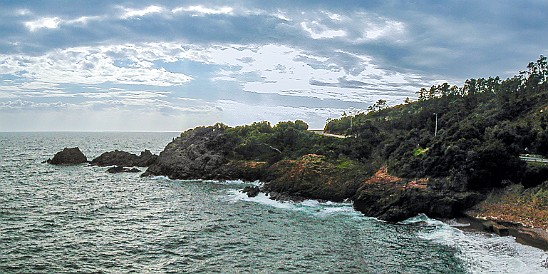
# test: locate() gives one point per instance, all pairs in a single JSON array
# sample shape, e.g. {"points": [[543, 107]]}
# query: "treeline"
{"points": [[261, 141], [482, 128]]}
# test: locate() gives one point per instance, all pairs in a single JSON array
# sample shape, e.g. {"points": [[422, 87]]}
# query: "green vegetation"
{"points": [[286, 140], [419, 151], [483, 127], [526, 206]]}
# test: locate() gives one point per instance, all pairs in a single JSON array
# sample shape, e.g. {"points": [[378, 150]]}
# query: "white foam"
{"points": [[160, 178], [261, 198], [484, 252], [224, 182], [456, 223], [320, 209]]}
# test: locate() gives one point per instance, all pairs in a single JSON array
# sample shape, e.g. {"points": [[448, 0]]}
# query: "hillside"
{"points": [[482, 128], [395, 163]]}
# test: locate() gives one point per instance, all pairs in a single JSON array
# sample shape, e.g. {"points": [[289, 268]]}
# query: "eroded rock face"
{"points": [[394, 199], [125, 159], [197, 154], [311, 176], [68, 156]]}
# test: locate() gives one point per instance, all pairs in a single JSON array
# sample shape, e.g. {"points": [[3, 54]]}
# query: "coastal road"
{"points": [[319, 131], [533, 158]]}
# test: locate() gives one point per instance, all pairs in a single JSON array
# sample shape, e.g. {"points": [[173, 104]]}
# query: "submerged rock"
{"points": [[119, 169], [125, 159], [251, 191], [68, 156]]}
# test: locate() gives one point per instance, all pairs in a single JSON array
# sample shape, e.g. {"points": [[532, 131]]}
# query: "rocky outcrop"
{"points": [[395, 199], [533, 236], [251, 191], [208, 153], [197, 154], [125, 159], [312, 176], [119, 169], [68, 156]]}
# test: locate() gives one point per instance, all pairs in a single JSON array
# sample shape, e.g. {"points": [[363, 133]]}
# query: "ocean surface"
{"points": [[56, 219]]}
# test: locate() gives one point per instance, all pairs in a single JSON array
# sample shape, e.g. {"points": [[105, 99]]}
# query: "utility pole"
{"points": [[352, 112], [436, 129], [350, 124]]}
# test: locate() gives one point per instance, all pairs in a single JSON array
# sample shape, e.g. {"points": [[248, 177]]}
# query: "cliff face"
{"points": [[394, 199], [197, 154], [313, 176]]}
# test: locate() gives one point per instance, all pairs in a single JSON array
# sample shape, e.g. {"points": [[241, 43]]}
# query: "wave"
{"points": [[317, 208], [483, 252]]}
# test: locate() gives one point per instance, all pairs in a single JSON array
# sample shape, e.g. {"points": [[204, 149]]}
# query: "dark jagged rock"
{"points": [[125, 159], [199, 153], [251, 191], [68, 156], [119, 169], [394, 199]]}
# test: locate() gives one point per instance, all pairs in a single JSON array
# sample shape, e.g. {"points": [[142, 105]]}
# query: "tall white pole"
{"points": [[436, 130], [350, 123]]}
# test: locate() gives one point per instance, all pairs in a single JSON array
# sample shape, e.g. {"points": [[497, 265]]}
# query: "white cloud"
{"points": [[56, 22], [130, 13], [43, 23], [356, 27], [82, 20], [92, 65], [333, 16], [319, 31], [23, 12], [289, 71], [385, 29], [275, 69], [201, 10], [20, 104], [238, 113]]}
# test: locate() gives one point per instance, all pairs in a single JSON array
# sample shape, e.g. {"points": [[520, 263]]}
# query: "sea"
{"points": [[81, 219]]}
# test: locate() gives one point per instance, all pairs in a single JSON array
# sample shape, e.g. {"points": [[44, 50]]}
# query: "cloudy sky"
{"points": [[172, 65]]}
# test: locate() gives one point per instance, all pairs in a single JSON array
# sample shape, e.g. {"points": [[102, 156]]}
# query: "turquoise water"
{"points": [[82, 219]]}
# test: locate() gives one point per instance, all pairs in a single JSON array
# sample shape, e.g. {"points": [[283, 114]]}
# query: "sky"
{"points": [[173, 65]]}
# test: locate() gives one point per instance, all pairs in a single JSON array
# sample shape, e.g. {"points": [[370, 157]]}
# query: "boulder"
{"points": [[125, 159], [68, 156], [251, 191], [119, 169]]}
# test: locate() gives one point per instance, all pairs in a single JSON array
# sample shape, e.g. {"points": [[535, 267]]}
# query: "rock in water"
{"points": [[196, 154], [68, 156], [119, 169], [251, 191], [124, 159]]}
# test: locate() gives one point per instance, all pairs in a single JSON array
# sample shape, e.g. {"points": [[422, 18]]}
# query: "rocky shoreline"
{"points": [[207, 153], [532, 236]]}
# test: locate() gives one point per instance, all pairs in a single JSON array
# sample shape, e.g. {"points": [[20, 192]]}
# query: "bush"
{"points": [[534, 176]]}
